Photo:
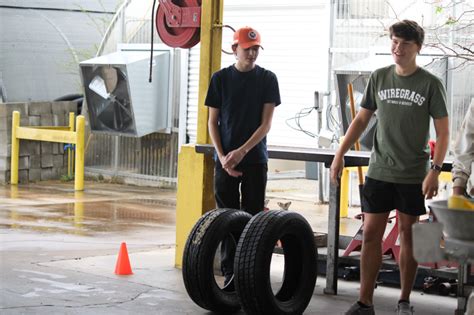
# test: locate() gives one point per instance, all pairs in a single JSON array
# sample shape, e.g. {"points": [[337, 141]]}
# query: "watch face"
{"points": [[436, 167]]}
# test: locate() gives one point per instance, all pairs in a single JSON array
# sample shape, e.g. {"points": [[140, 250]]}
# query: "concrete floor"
{"points": [[58, 250]]}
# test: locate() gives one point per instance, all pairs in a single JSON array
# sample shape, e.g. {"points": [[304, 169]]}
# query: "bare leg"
{"points": [[408, 264], [371, 254]]}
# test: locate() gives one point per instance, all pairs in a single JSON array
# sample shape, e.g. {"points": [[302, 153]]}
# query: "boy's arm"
{"points": [[430, 183], [356, 128], [213, 125]]}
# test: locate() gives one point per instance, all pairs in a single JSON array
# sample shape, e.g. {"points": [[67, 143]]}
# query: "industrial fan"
{"points": [[113, 110]]}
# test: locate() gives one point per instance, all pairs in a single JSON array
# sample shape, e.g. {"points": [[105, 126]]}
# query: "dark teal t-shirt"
{"points": [[403, 105]]}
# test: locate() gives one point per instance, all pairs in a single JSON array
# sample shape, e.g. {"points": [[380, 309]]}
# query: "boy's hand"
{"points": [[232, 172], [336, 170], [430, 184], [233, 158]]}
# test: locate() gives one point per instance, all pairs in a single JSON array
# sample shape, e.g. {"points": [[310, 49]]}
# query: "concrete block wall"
{"points": [[39, 160]]}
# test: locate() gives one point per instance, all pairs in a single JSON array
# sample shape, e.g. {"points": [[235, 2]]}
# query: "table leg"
{"points": [[333, 239]]}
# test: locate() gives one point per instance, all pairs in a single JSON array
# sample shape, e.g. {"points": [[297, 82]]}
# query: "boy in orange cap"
{"points": [[241, 100]]}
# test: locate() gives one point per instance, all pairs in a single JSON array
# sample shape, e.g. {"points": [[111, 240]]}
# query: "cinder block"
{"points": [[5, 139], [70, 107], [46, 160], [58, 172], [24, 121], [59, 120], [46, 147], [64, 171], [59, 108], [46, 120], [34, 147], [65, 161], [55, 148], [6, 109], [58, 161], [34, 121], [4, 177], [4, 163], [40, 108], [24, 148], [6, 128], [34, 161], [5, 150], [23, 176], [34, 174], [23, 162], [47, 173], [4, 124]]}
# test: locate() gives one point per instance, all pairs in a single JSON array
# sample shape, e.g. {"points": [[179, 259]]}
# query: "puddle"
{"points": [[48, 211]]}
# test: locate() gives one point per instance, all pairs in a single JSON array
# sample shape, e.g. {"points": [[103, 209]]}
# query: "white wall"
{"points": [[295, 40]]}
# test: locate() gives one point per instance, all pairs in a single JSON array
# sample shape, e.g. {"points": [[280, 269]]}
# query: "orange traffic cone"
{"points": [[123, 263]]}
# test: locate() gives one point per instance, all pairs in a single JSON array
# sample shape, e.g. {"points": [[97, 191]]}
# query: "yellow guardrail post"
{"points": [[344, 200], [61, 134], [70, 159], [15, 156], [344, 204], [79, 163]]}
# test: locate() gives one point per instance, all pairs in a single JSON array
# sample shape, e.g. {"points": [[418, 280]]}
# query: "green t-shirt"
{"points": [[403, 106]]}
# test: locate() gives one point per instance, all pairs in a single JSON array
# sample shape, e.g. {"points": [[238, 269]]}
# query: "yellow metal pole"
{"points": [[210, 62], [78, 211], [70, 159], [79, 173], [344, 204], [15, 157], [195, 171]]}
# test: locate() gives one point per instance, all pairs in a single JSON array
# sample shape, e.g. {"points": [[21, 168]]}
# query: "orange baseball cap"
{"points": [[247, 37]]}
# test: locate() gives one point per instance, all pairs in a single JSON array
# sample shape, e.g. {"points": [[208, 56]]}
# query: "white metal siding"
{"points": [[295, 41]]}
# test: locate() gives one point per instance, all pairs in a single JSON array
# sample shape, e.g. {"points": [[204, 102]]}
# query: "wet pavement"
{"points": [[58, 250]]}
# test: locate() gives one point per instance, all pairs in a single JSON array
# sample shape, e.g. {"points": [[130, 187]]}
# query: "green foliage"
{"points": [[66, 178], [451, 21]]}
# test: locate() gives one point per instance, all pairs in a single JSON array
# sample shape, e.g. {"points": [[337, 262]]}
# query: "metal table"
{"points": [[352, 158]]}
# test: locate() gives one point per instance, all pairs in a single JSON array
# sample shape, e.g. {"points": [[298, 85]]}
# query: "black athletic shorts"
{"points": [[379, 197]]}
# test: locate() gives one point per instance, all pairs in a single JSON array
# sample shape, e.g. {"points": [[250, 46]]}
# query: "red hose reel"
{"points": [[178, 22]]}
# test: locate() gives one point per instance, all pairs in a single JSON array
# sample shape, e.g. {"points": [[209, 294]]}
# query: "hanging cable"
{"points": [[301, 114], [152, 29]]}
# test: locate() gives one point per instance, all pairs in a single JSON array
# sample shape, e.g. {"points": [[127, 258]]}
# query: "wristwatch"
{"points": [[436, 167]]}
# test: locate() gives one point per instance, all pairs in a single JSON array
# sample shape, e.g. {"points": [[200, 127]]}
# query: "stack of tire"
{"points": [[255, 238]]}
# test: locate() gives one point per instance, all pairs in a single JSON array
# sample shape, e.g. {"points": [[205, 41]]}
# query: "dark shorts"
{"points": [[379, 197]]}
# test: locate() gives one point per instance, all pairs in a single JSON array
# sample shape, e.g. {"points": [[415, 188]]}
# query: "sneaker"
{"points": [[357, 309], [404, 308], [229, 283]]}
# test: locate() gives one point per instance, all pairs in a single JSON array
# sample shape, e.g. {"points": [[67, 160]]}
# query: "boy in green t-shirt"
{"points": [[404, 96]]}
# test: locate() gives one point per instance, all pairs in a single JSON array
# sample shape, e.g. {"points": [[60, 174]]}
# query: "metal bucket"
{"points": [[457, 223]]}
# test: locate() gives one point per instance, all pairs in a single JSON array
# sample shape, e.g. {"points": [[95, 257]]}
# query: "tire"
{"points": [[198, 258], [253, 259]]}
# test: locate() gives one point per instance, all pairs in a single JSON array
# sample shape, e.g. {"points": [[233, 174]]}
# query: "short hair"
{"points": [[408, 30]]}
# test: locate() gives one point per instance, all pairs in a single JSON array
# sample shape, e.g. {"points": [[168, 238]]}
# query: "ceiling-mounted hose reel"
{"points": [[178, 22]]}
